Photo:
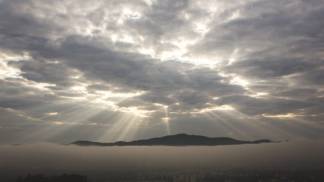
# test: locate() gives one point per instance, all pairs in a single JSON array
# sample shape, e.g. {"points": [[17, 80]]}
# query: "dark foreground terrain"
{"points": [[62, 178], [269, 162], [220, 176]]}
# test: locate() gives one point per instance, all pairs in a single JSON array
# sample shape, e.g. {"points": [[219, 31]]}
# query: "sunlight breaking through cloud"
{"points": [[127, 69]]}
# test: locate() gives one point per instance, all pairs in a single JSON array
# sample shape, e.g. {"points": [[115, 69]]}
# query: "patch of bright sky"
{"points": [[214, 108], [282, 116], [180, 51], [52, 113], [237, 80], [7, 71], [109, 99]]}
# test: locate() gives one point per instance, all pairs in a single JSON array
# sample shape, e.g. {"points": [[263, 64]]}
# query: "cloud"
{"points": [[250, 105], [161, 59]]}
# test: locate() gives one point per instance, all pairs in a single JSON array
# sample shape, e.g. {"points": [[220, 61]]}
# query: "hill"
{"points": [[175, 140]]}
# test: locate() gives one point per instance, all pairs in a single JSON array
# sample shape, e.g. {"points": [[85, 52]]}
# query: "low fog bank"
{"points": [[56, 159]]}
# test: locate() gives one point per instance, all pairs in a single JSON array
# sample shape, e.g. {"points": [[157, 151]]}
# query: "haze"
{"points": [[112, 70], [99, 162]]}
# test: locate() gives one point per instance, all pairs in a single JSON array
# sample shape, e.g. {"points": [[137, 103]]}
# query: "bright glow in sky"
{"points": [[108, 70]]}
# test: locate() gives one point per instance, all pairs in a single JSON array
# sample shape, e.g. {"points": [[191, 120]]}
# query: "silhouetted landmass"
{"points": [[176, 140]]}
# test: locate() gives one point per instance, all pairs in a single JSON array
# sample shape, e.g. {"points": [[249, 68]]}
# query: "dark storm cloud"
{"points": [[266, 57], [255, 106], [46, 72], [17, 21], [314, 77], [271, 27], [127, 70], [19, 95], [280, 50], [269, 67]]}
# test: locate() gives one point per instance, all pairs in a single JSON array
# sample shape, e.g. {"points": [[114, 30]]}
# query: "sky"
{"points": [[123, 70]]}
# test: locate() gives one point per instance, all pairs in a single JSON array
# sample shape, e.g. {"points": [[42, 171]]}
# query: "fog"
{"points": [[53, 158]]}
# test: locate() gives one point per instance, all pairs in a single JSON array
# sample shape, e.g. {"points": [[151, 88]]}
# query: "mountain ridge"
{"points": [[181, 139]]}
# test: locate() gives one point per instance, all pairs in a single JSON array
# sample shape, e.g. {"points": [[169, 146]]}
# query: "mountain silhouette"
{"points": [[175, 140]]}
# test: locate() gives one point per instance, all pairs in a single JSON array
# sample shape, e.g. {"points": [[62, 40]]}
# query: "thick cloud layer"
{"points": [[108, 70]]}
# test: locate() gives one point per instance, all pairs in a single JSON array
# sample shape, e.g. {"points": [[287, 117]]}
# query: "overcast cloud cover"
{"points": [[120, 70]]}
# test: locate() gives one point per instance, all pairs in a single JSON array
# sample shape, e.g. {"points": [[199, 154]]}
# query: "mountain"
{"points": [[175, 140]]}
